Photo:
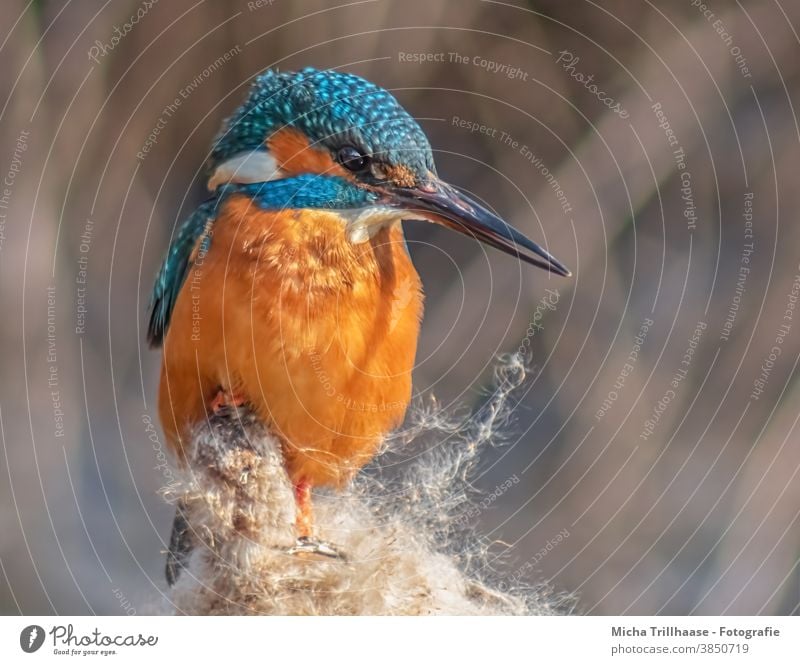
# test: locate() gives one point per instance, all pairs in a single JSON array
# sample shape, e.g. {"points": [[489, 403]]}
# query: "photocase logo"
{"points": [[31, 638]]}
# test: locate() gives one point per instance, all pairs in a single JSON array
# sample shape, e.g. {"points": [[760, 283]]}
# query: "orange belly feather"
{"points": [[318, 334]]}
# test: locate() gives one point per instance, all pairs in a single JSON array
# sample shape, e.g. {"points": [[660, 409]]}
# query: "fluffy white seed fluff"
{"points": [[396, 524]]}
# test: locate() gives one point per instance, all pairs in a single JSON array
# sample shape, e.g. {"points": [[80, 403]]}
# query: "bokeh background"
{"points": [[647, 470]]}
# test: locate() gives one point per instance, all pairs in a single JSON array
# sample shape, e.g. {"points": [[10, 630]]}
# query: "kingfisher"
{"points": [[291, 291]]}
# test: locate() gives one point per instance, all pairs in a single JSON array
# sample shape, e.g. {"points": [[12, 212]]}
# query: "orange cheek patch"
{"points": [[294, 155]]}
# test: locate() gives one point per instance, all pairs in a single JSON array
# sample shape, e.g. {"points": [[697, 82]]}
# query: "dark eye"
{"points": [[352, 159]]}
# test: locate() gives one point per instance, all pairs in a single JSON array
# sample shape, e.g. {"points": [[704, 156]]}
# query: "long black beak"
{"points": [[444, 205]]}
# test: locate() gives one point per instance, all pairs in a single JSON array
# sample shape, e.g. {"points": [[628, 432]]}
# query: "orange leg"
{"points": [[224, 399], [305, 515], [307, 545]]}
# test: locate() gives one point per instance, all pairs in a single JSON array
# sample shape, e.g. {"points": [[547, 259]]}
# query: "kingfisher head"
{"points": [[341, 142]]}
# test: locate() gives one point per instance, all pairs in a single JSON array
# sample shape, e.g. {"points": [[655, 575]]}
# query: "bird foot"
{"points": [[225, 400], [311, 548]]}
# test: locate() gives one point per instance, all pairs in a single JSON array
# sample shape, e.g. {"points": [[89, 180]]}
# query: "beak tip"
{"points": [[558, 268]]}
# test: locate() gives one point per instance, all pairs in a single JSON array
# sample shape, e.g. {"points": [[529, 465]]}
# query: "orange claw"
{"points": [[224, 399]]}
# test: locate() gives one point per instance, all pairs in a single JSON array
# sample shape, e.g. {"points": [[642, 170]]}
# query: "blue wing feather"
{"points": [[175, 267]]}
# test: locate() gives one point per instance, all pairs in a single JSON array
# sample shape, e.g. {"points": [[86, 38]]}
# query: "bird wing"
{"points": [[303, 191], [194, 232]]}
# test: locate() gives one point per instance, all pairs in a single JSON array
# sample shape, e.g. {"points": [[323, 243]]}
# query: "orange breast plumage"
{"points": [[316, 332]]}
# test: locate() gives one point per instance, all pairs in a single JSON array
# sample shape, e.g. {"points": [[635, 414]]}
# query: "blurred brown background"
{"points": [[695, 512]]}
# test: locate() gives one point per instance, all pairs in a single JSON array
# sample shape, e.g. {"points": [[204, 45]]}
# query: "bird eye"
{"points": [[352, 159]]}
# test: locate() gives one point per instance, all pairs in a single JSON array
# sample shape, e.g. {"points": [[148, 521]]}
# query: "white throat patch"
{"points": [[361, 224]]}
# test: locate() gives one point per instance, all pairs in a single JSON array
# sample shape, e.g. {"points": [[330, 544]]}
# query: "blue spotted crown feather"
{"points": [[331, 109]]}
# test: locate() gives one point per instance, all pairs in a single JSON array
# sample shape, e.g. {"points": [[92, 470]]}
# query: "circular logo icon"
{"points": [[31, 638]]}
